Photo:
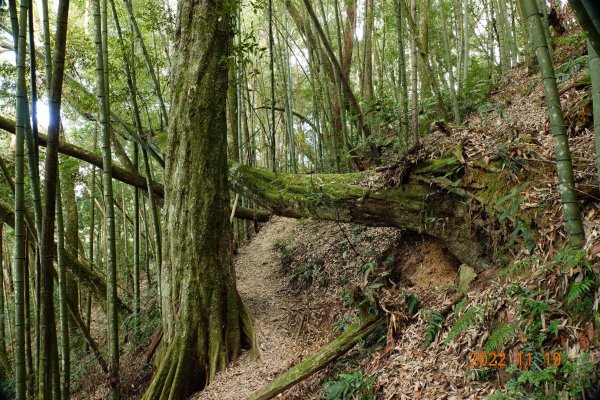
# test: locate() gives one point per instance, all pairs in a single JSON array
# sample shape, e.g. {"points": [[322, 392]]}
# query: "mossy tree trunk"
{"points": [[205, 323], [594, 63]]}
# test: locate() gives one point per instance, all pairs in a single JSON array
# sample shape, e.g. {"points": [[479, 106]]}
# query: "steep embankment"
{"points": [[537, 302]]}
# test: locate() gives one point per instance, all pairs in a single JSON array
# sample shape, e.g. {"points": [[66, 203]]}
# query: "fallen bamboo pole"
{"points": [[329, 353]]}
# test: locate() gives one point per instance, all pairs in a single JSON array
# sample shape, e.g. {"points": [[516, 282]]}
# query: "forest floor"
{"points": [[292, 277]]}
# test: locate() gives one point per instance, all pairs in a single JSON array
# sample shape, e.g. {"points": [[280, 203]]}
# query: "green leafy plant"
{"points": [[282, 248], [303, 275], [343, 324], [519, 266], [412, 303], [516, 201], [499, 337], [521, 228], [351, 386], [471, 317], [577, 290], [570, 257], [553, 327], [537, 377], [533, 306], [459, 307], [434, 325], [565, 381], [570, 67], [7, 388], [366, 268]]}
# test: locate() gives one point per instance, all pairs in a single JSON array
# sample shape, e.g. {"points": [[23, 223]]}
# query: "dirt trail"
{"points": [[264, 292]]}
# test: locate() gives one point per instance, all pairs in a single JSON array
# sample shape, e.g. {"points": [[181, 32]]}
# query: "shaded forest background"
{"points": [[415, 181]]}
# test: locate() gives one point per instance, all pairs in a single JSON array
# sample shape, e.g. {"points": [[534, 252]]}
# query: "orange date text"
{"points": [[519, 359]]}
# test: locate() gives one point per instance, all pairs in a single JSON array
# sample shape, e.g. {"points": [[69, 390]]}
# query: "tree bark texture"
{"points": [[205, 323]]}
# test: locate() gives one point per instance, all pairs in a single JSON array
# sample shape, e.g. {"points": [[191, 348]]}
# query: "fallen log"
{"points": [[418, 205], [330, 352], [120, 174]]}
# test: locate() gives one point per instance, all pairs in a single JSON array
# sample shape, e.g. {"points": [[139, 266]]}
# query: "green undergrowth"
{"points": [[533, 307], [542, 301], [350, 386], [540, 314], [134, 348], [7, 385]]}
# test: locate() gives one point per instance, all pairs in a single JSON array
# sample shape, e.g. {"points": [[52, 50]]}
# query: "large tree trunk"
{"points": [[205, 322]]}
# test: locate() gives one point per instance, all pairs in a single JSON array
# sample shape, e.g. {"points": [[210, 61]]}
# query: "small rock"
{"points": [[466, 275]]}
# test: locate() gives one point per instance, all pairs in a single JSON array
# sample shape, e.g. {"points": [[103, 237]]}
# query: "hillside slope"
{"points": [[537, 304]]}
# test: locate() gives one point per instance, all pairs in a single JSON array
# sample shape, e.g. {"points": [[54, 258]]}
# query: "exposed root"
{"points": [[191, 360]]}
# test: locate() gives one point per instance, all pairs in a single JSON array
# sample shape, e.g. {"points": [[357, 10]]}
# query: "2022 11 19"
{"points": [[523, 360]]}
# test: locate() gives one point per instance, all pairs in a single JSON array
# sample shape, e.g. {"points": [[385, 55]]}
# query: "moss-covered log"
{"points": [[329, 353], [417, 205]]}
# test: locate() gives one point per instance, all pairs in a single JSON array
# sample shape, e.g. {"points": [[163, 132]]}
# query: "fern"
{"points": [[499, 337], [434, 325], [513, 195], [468, 319], [354, 385], [569, 258], [412, 303], [459, 307], [579, 289], [537, 378], [519, 266]]}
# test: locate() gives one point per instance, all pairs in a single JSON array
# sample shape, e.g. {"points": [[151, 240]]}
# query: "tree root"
{"points": [[200, 349]]}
